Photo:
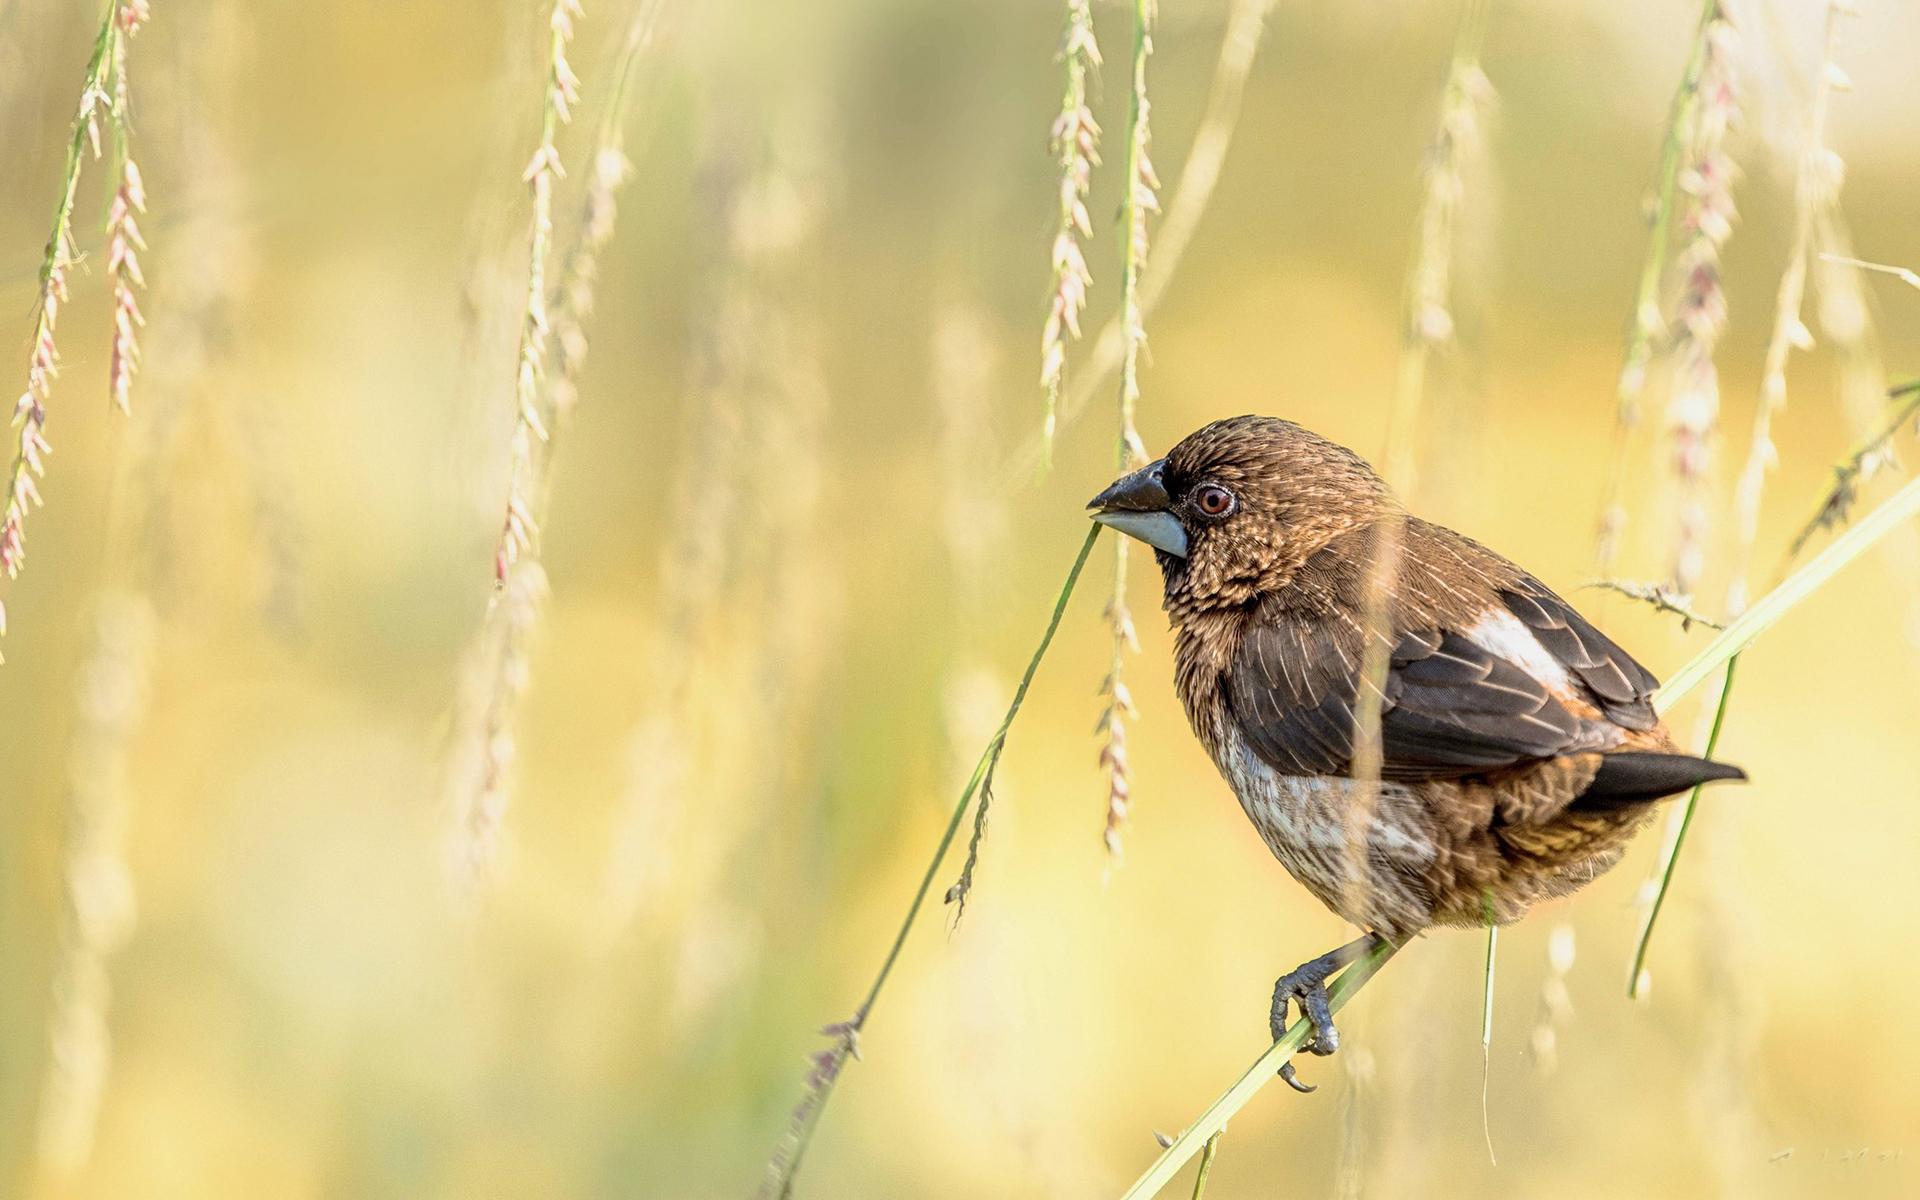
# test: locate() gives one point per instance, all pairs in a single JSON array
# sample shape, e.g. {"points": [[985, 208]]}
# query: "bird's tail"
{"points": [[1637, 777]]}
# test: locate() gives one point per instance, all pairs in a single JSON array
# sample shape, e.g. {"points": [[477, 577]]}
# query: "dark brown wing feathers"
{"points": [[1457, 709], [1621, 687], [1451, 708]]}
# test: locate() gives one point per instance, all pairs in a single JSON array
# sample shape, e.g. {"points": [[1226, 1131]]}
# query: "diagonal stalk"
{"points": [[1724, 651], [1672, 858], [1849, 546], [1901, 507], [785, 1165], [1257, 1076]]}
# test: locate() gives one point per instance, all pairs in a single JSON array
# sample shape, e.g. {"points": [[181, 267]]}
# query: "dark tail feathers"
{"points": [[1636, 777]]}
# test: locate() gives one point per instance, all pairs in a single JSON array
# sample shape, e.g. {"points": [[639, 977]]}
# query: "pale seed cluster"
{"points": [[103, 96], [1076, 143], [123, 264], [1706, 222], [823, 1068], [110, 696], [611, 169], [482, 772], [123, 235], [1142, 200], [1649, 318], [543, 171], [1112, 726], [1816, 191], [1556, 1002], [1456, 145], [476, 844], [1428, 326]]}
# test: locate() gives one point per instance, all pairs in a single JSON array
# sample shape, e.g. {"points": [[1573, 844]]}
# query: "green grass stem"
{"points": [[785, 1167]]}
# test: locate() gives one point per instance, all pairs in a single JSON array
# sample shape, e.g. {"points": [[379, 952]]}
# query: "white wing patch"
{"points": [[1502, 634]]}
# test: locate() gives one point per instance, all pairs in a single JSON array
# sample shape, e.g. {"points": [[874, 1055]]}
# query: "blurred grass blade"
{"points": [[1263, 1071], [1901, 507]]}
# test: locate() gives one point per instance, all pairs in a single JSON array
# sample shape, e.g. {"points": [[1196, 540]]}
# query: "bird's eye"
{"points": [[1213, 500]]}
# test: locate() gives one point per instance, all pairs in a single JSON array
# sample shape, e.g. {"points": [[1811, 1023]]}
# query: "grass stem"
{"points": [[1130, 452], [101, 94], [1717, 656], [1486, 1029], [1901, 507], [1263, 1071], [784, 1166], [1867, 458], [558, 96], [1637, 972], [1207, 1155]]}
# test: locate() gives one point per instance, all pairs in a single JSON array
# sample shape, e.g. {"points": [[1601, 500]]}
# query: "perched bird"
{"points": [[1519, 749]]}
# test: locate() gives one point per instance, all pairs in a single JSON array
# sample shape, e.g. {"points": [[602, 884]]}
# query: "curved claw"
{"points": [[1307, 985]]}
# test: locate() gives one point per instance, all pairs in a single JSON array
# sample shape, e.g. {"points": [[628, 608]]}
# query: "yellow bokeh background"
{"points": [[795, 569]]}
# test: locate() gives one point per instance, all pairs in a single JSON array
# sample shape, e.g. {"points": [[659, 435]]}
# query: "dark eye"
{"points": [[1213, 500]]}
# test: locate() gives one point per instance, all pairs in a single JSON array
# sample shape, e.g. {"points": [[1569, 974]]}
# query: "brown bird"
{"points": [[1519, 748]]}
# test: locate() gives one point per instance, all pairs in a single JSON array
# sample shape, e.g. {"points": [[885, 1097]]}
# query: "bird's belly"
{"points": [[1365, 854]]}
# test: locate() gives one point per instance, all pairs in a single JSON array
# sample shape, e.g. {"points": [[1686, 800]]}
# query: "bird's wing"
{"points": [[1607, 676], [1451, 707], [1620, 687]]}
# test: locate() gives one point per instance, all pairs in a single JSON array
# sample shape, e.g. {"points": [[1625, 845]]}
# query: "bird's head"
{"points": [[1239, 506]]}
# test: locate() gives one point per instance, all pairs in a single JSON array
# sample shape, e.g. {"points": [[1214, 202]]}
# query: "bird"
{"points": [[1518, 747]]}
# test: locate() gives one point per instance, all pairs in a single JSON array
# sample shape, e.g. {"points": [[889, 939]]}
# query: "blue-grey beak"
{"points": [[1137, 505]]}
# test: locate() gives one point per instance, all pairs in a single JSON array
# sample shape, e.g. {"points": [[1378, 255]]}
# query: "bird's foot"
{"points": [[1306, 985]]}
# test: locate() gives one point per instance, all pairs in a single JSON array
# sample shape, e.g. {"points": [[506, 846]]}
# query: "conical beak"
{"points": [[1137, 505]]}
